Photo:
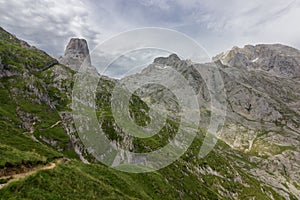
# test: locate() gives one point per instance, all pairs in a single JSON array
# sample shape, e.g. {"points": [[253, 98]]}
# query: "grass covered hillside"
{"points": [[36, 129]]}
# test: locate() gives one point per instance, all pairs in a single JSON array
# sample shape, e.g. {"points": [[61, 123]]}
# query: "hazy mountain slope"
{"points": [[37, 127]]}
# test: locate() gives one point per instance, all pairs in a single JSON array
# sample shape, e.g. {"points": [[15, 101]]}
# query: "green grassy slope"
{"points": [[75, 180], [27, 106]]}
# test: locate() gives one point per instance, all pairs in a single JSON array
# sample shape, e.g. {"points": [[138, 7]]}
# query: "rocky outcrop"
{"points": [[76, 53]]}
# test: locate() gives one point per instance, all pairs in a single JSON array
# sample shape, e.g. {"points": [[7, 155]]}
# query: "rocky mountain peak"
{"points": [[76, 52], [167, 60], [77, 45], [276, 59]]}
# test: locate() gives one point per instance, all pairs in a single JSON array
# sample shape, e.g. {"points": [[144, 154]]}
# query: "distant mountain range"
{"points": [[257, 155]]}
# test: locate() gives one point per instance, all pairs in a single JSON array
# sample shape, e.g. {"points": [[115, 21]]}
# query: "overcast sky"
{"points": [[217, 25]]}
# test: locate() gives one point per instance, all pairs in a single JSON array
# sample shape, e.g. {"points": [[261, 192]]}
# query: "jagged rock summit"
{"points": [[275, 59], [76, 52]]}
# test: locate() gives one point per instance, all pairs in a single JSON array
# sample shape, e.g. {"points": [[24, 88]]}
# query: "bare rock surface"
{"points": [[276, 59]]}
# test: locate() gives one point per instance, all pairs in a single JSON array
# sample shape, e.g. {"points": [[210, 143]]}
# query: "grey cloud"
{"points": [[47, 24], [216, 24]]}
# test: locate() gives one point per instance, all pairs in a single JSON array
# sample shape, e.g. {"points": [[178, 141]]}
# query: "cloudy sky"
{"points": [[217, 25]]}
